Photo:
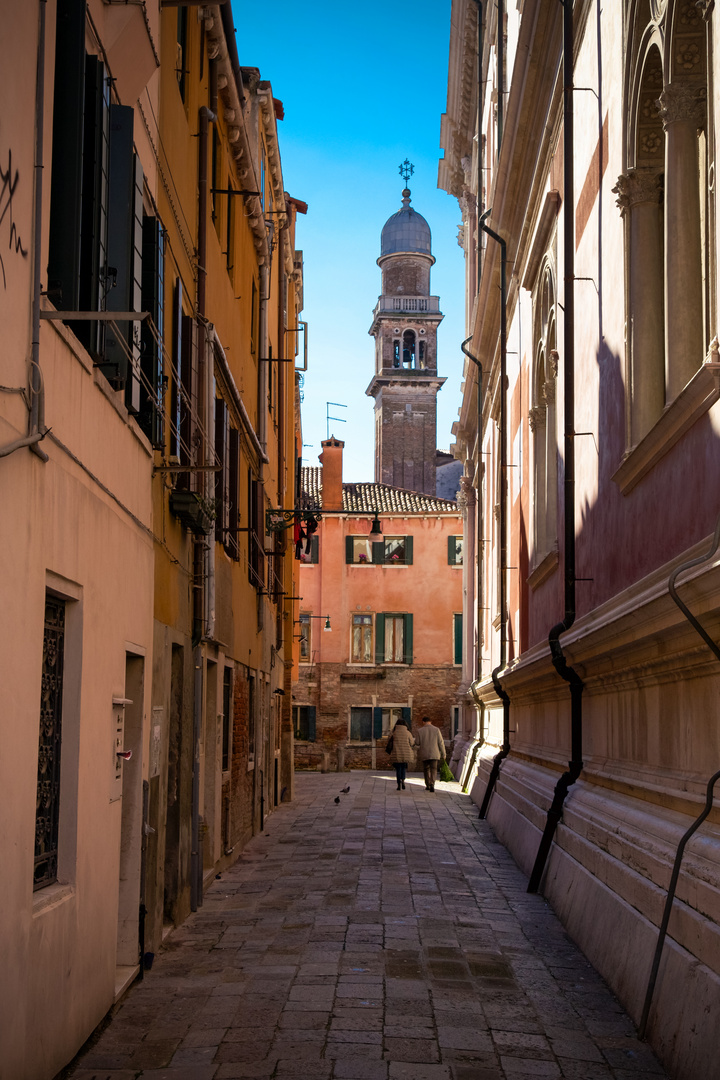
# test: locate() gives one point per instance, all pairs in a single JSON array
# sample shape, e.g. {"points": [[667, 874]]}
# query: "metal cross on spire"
{"points": [[406, 170]]}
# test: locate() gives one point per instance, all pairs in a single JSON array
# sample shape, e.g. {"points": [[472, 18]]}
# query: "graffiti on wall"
{"points": [[9, 181]]}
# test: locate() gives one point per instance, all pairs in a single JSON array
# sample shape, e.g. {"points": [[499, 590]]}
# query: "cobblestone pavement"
{"points": [[389, 937]]}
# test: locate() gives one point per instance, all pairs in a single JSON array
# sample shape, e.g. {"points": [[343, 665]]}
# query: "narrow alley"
{"points": [[384, 937]]}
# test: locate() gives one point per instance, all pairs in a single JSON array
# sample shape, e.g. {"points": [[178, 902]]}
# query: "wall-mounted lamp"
{"points": [[376, 526], [327, 625]]}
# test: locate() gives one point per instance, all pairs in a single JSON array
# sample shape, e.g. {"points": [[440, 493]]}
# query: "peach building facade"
{"points": [[379, 622]]}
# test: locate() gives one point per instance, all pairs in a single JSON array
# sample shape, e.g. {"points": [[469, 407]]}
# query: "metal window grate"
{"points": [[48, 784]]}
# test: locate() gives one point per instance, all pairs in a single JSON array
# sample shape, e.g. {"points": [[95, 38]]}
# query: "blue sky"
{"points": [[363, 87]]}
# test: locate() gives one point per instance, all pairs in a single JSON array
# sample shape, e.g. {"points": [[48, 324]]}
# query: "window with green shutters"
{"points": [[362, 719], [393, 638], [455, 550], [304, 722], [390, 551], [457, 638]]}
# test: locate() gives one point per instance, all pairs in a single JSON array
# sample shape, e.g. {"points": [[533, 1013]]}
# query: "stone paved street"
{"points": [[389, 937]]}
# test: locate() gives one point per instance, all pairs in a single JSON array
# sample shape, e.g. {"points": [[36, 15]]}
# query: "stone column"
{"points": [[639, 193], [682, 109]]}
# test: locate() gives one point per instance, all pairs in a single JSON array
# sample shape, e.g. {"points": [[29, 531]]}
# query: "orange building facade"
{"points": [[378, 626]]}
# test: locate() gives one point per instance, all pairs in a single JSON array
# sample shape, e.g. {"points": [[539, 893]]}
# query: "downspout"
{"points": [[502, 521], [199, 554], [36, 417], [501, 72], [575, 765], [477, 674]]}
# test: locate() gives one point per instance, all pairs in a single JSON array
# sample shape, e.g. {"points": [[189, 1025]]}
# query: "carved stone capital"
{"points": [[536, 418], [553, 362], [682, 102], [643, 185]]}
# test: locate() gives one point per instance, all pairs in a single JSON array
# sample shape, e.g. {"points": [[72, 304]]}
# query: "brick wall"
{"points": [[433, 689]]}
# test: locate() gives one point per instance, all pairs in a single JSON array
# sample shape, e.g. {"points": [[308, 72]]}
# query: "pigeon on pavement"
{"points": [[337, 798]]}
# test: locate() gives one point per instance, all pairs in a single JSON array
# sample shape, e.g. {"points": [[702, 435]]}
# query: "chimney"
{"points": [[331, 461]]}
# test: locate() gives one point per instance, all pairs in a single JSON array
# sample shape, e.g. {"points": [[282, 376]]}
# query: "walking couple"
{"points": [[431, 749]]}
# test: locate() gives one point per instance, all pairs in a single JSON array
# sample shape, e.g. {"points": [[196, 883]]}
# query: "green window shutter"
{"points": [[408, 550], [451, 550], [379, 639], [67, 156], [220, 477], [349, 548], [177, 360], [314, 549], [151, 359], [408, 658], [377, 723], [378, 552], [311, 723], [457, 638], [407, 715]]}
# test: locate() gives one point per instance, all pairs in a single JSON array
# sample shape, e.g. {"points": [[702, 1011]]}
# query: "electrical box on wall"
{"points": [[119, 753]]}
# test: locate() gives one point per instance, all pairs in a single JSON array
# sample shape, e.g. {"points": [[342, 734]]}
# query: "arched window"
{"points": [[396, 352], [408, 351], [543, 421], [665, 199]]}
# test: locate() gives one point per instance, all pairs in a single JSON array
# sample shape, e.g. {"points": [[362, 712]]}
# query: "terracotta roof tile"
{"points": [[366, 498]]}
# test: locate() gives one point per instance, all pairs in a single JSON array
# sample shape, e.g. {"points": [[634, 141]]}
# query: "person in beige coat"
{"points": [[431, 750], [402, 753]]}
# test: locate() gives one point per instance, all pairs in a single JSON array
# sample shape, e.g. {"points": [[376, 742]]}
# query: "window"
{"points": [[256, 533], [393, 639], [455, 550], [50, 739], [408, 349], [226, 717], [362, 639], [457, 638], [305, 638], [665, 198], [543, 423], [361, 723], [390, 551], [151, 417], [396, 352], [311, 557], [304, 722], [251, 717], [390, 716], [422, 354], [181, 63]]}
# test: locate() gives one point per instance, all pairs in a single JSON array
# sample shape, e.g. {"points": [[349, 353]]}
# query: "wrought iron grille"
{"points": [[48, 784]]}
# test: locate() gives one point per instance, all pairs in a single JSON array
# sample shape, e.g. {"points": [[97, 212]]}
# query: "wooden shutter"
{"points": [[378, 552], [221, 440], [188, 403], [233, 493], [151, 417], [314, 549], [451, 550], [407, 715], [311, 723], [379, 639], [408, 642], [94, 214], [457, 638], [408, 550], [67, 156], [377, 722], [349, 549], [177, 359]]}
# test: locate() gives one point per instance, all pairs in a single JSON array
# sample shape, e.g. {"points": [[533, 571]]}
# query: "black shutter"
{"points": [[233, 492], [151, 359], [67, 156], [408, 550], [457, 638], [188, 403], [93, 222], [379, 639], [124, 255], [378, 552], [349, 549], [408, 640], [221, 523], [377, 722], [311, 723], [177, 359]]}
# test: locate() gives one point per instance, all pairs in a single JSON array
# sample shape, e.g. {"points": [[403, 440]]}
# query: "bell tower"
{"points": [[405, 384]]}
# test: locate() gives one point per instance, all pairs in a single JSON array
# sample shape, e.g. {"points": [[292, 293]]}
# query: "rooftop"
{"points": [[367, 498]]}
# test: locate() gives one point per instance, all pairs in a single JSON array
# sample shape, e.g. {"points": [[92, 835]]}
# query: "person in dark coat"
{"points": [[432, 750], [402, 751]]}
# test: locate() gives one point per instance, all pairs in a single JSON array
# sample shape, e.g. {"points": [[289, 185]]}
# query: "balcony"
{"points": [[407, 304]]}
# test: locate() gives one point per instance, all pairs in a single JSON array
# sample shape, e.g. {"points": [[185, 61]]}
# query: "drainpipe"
{"points": [[560, 664], [264, 352], [200, 567], [36, 418], [478, 518], [501, 72], [502, 522]]}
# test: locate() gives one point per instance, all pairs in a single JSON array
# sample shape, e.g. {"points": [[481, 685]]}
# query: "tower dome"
{"points": [[406, 232]]}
